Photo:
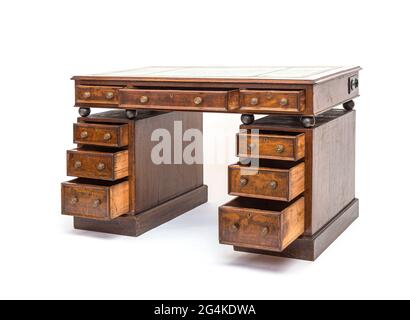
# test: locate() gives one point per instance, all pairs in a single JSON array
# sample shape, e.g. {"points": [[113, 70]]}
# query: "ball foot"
{"points": [[247, 118], [349, 105], [308, 122], [84, 112], [131, 114]]}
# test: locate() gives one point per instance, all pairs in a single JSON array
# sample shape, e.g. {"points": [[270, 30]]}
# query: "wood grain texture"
{"points": [[311, 247], [95, 164], [106, 135], [261, 224], [272, 146], [135, 225], [266, 183], [94, 96], [96, 199], [271, 100], [332, 93]]}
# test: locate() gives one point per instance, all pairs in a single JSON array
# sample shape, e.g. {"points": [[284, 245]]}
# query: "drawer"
{"points": [[177, 99], [272, 100], [108, 135], [267, 183], [94, 164], [100, 200], [261, 224], [275, 146], [96, 95]]}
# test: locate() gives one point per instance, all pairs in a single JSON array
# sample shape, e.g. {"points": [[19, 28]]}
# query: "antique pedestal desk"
{"points": [[295, 178]]}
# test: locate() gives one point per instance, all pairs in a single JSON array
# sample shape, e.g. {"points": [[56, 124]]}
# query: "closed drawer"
{"points": [[272, 100], [99, 200], [108, 135], [95, 164], [96, 95], [261, 224], [267, 183], [271, 146], [176, 99]]}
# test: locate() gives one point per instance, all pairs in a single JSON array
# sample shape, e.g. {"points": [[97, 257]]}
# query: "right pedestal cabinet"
{"points": [[295, 186]]}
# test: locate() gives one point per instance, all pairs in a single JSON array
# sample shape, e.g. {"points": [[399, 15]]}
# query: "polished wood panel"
{"points": [[266, 183], [275, 146], [272, 100], [96, 95], [261, 224], [311, 247], [95, 164], [95, 199], [135, 225], [174, 99], [107, 135]]}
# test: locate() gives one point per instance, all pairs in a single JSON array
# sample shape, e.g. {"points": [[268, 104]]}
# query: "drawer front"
{"points": [[97, 165], [242, 224], [96, 95], [174, 99], [101, 134], [272, 100], [102, 202], [266, 183], [271, 146]]}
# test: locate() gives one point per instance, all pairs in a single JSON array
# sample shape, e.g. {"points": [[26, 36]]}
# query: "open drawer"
{"points": [[261, 224], [101, 200]]}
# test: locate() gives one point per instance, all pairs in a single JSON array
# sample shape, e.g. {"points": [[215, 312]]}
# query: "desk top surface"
{"points": [[307, 74]]}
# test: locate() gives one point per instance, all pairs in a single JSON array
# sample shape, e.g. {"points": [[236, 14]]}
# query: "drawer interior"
{"points": [[258, 204]]}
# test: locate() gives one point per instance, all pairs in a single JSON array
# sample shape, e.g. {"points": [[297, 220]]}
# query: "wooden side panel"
{"points": [[121, 164], [296, 180], [333, 168], [157, 183], [300, 144], [293, 222], [332, 93], [119, 199]]}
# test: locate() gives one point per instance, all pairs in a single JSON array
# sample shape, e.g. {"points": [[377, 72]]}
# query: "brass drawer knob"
{"points": [[96, 203], [101, 166], [243, 181], [143, 99], [107, 136], [84, 134], [280, 148], [283, 102], [86, 94], [197, 100], [251, 146], [254, 101], [235, 227], [74, 200], [273, 185], [265, 231], [77, 164], [109, 95]]}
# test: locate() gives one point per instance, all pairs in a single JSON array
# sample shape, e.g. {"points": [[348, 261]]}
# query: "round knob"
{"points": [[283, 102], [235, 227], [251, 146], [77, 164], [273, 184], [86, 94], [84, 134], [243, 181], [265, 231], [280, 148], [74, 200], [96, 203], [107, 136], [109, 95], [197, 100], [254, 101], [101, 166], [143, 99]]}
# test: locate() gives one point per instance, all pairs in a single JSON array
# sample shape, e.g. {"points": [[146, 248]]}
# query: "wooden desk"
{"points": [[295, 177]]}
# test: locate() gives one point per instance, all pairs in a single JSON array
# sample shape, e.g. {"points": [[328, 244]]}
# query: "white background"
{"points": [[44, 43]]}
